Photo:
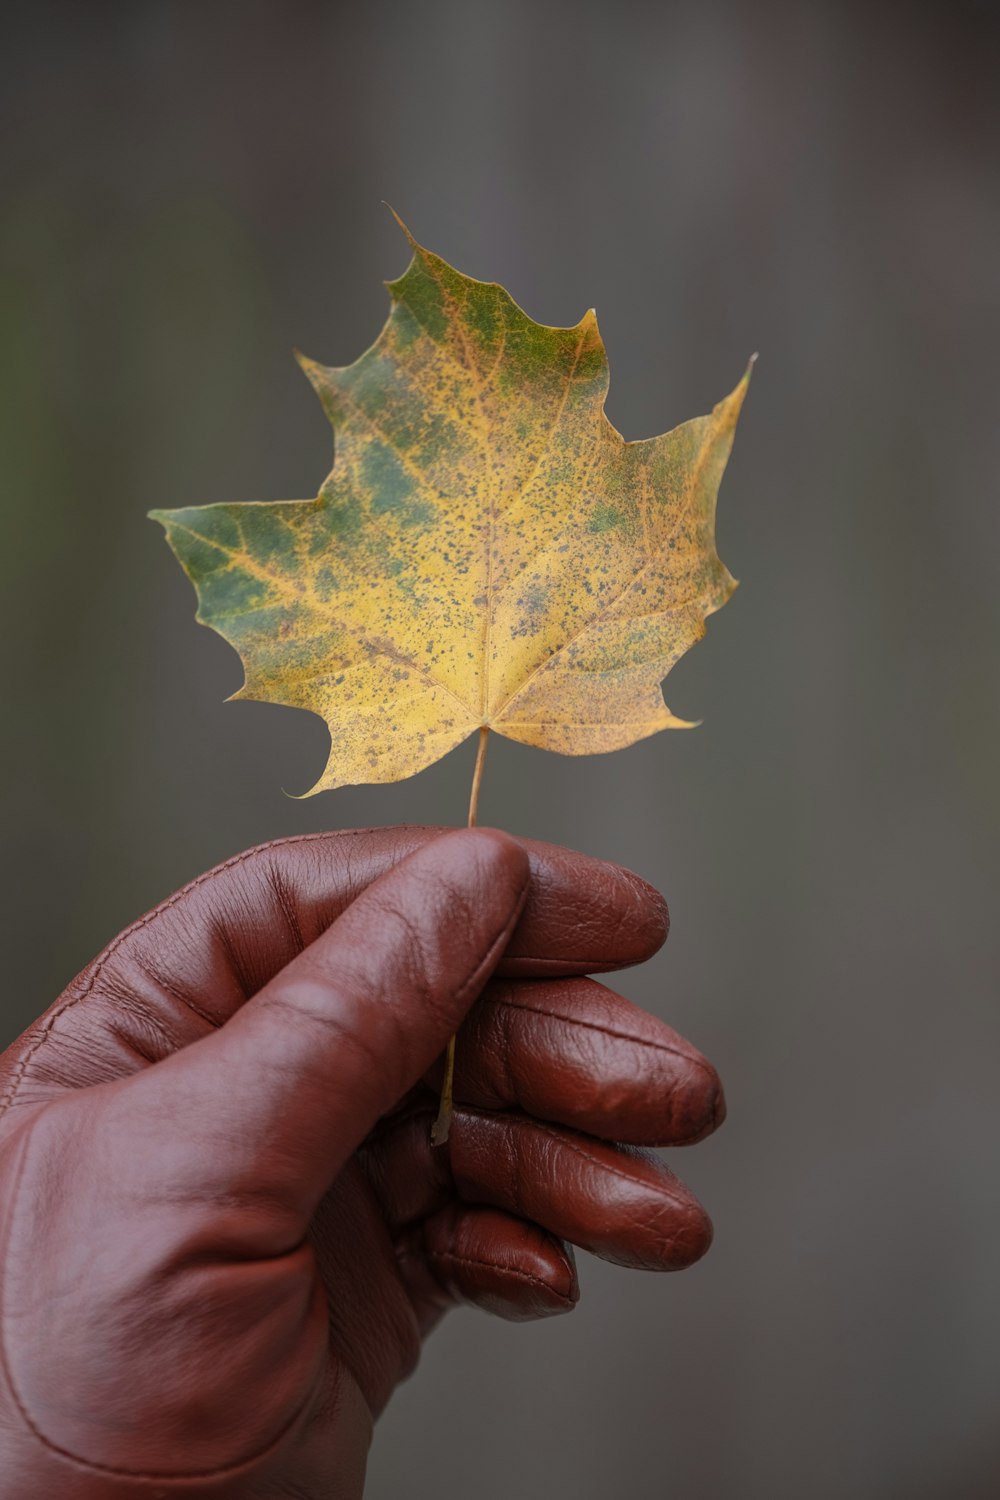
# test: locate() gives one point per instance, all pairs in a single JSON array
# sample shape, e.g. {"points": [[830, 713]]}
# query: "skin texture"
{"points": [[223, 1230]]}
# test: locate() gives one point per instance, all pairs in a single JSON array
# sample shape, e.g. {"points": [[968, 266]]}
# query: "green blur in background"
{"points": [[191, 190]]}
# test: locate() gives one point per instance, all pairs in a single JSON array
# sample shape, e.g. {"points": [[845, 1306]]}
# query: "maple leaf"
{"points": [[487, 553]]}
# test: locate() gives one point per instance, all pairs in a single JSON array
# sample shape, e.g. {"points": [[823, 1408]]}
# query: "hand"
{"points": [[223, 1228]]}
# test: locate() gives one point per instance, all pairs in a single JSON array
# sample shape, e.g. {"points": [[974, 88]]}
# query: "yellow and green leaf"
{"points": [[487, 552]]}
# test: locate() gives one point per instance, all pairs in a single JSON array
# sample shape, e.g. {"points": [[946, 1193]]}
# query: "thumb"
{"points": [[274, 1103]]}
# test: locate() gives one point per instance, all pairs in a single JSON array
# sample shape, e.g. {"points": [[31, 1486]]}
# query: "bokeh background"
{"points": [[188, 191]]}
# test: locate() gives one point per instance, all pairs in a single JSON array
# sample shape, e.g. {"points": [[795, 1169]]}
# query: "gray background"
{"points": [[189, 190]]}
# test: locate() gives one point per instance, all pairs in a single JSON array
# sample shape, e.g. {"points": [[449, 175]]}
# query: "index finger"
{"points": [[583, 915], [227, 934], [191, 963]]}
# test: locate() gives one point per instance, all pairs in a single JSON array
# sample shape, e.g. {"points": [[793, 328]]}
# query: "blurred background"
{"points": [[188, 191]]}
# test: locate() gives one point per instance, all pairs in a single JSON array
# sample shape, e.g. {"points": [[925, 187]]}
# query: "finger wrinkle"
{"points": [[564, 1140], [133, 1031], [156, 977], [219, 930], [608, 1031], [662, 1187], [286, 904], [506, 1049], [503, 1270], [488, 963], [582, 963], [307, 1016]]}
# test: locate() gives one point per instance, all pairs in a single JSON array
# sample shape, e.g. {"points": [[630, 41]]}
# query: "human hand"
{"points": [[223, 1229]]}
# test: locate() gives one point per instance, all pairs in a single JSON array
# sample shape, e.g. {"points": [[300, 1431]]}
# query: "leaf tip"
{"points": [[402, 226], [315, 373], [326, 783], [729, 408], [745, 378], [303, 361]]}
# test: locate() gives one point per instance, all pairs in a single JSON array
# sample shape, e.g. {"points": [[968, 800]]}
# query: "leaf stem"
{"points": [[442, 1125], [477, 775]]}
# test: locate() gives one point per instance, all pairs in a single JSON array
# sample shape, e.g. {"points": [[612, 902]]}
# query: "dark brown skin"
{"points": [[223, 1229]]}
